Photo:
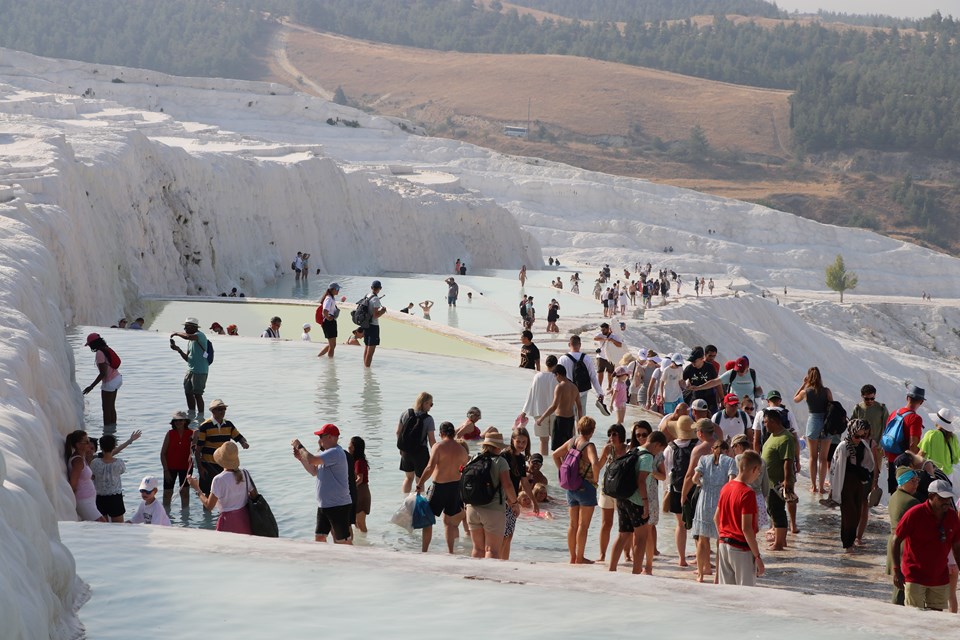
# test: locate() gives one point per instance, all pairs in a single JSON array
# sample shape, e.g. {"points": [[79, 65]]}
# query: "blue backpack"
{"points": [[208, 354], [894, 439]]}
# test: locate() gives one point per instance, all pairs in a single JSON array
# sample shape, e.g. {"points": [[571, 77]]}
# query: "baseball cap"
{"points": [[700, 405], [677, 359], [92, 337], [773, 393], [375, 285], [149, 483], [536, 458], [327, 430], [731, 399], [941, 488], [743, 363], [334, 285], [306, 325]]}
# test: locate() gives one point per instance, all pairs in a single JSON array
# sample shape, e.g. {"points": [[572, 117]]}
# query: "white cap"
{"points": [[149, 483], [941, 488], [677, 359], [306, 325]]}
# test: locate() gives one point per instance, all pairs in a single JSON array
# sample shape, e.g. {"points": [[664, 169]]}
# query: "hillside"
{"points": [[624, 120]]}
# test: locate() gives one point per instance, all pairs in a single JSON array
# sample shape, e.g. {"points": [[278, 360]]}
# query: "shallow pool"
{"points": [[277, 391]]}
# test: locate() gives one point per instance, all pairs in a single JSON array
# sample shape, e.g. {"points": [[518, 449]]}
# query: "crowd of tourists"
{"points": [[716, 451]]}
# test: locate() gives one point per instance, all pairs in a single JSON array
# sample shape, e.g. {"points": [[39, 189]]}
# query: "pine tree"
{"points": [[839, 279]]}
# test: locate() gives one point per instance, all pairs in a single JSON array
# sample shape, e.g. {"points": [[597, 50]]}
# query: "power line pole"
{"points": [[528, 117]]}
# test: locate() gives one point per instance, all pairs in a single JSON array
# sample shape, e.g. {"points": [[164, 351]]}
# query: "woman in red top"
{"points": [[362, 470], [175, 457]]}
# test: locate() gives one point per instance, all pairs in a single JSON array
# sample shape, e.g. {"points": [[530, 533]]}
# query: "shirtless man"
{"points": [[447, 457], [566, 404]]}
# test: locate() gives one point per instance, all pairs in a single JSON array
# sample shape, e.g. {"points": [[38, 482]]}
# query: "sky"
{"points": [[898, 8]]}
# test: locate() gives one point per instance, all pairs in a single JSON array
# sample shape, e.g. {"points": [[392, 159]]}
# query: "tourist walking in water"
{"points": [[738, 552], [175, 456], [371, 334], [416, 435], [712, 472], [210, 436], [579, 456], [516, 454], [327, 314], [523, 275], [912, 430], [229, 489], [77, 448], [615, 448], [195, 381], [901, 501], [485, 514], [361, 471], [107, 471], [447, 458], [539, 399], [108, 377], [818, 398], [329, 467]]}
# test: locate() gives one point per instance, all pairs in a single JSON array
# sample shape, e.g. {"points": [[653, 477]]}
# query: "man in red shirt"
{"points": [[738, 555], [913, 426], [929, 532]]}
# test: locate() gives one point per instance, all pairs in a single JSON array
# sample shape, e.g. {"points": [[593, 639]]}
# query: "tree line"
{"points": [[886, 90], [181, 37], [652, 10]]}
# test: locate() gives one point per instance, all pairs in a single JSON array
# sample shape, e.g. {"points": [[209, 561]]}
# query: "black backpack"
{"points": [[620, 481], [410, 438], [744, 418], [580, 374], [476, 481], [361, 314], [681, 462], [835, 421], [523, 309]]}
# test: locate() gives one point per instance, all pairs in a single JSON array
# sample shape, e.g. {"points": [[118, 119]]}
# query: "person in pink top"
{"points": [[76, 449], [108, 377]]}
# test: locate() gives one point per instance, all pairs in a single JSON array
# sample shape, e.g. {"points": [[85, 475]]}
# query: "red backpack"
{"points": [[113, 360]]}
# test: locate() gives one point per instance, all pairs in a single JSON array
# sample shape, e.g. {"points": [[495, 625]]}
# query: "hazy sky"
{"points": [[899, 8]]}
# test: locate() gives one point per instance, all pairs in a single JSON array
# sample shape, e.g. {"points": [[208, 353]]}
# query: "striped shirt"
{"points": [[210, 436]]}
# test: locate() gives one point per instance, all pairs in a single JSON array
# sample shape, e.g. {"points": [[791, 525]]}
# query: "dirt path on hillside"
{"points": [[286, 70]]}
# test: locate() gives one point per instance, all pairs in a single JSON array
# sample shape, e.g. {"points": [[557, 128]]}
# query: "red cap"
{"points": [[729, 364], [742, 364], [92, 337], [731, 399], [327, 430]]}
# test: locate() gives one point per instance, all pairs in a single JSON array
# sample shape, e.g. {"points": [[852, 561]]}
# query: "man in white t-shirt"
{"points": [[539, 399], [371, 335], [150, 510], [298, 266], [611, 350], [573, 357], [732, 420]]}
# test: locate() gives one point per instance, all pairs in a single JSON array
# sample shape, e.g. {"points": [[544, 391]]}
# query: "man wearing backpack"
{"points": [[676, 461], [912, 429], [581, 371], [732, 420], [195, 382], [414, 431], [371, 334]]}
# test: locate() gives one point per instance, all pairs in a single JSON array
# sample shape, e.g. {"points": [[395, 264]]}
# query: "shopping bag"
{"points": [[404, 514], [422, 513]]}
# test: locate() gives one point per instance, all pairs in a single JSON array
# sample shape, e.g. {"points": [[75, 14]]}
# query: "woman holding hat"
{"points": [[108, 377], [488, 521], [327, 314], [228, 489], [175, 456]]}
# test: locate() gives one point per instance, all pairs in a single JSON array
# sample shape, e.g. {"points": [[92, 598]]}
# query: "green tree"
{"points": [[839, 279], [339, 97]]}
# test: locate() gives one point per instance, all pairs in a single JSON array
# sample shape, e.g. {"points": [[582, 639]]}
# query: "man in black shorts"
{"points": [[415, 437], [329, 467], [447, 457]]}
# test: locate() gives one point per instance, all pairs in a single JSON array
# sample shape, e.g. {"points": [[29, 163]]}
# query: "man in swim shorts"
{"points": [[566, 404], [539, 398], [447, 457]]}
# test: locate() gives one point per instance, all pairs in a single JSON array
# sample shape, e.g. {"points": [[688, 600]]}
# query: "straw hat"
{"points": [[227, 455], [683, 428], [493, 439]]}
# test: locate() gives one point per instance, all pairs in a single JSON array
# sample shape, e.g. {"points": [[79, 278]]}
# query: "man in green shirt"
{"points": [[778, 454], [875, 414], [195, 382], [901, 501]]}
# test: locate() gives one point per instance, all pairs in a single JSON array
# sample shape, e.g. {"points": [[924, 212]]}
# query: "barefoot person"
{"points": [[566, 404], [327, 315], [447, 457], [108, 377], [778, 454], [329, 467], [539, 398], [583, 500], [817, 397]]}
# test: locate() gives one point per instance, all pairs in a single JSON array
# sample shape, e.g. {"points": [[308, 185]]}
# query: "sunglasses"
{"points": [[144, 491]]}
